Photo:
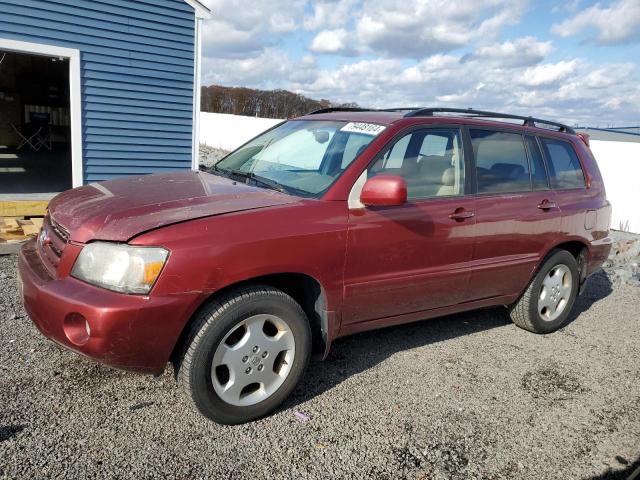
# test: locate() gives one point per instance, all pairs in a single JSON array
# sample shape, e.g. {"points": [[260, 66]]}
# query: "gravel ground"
{"points": [[623, 264], [466, 396], [209, 156]]}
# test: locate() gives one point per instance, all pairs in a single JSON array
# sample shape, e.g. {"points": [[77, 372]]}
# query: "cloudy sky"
{"points": [[572, 60]]}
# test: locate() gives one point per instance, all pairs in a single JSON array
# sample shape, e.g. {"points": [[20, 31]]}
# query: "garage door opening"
{"points": [[35, 126]]}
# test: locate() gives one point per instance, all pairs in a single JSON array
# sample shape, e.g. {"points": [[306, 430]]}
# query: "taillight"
{"points": [[584, 137]]}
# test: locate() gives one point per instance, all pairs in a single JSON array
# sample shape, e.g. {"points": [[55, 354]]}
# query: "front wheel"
{"points": [[246, 355], [549, 298]]}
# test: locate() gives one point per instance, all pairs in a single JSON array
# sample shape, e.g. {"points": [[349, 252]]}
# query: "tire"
{"points": [[236, 332], [535, 311]]}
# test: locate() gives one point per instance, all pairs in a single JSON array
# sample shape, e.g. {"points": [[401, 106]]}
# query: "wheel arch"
{"points": [[306, 290], [579, 248], [574, 247]]}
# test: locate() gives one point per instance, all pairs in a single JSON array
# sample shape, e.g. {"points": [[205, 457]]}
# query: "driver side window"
{"points": [[430, 160]]}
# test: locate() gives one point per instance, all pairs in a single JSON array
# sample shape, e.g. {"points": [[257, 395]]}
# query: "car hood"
{"points": [[120, 209]]}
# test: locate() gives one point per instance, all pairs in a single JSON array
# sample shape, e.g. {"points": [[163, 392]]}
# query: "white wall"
{"points": [[619, 164], [228, 132]]}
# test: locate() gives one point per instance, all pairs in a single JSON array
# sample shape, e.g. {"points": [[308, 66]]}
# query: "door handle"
{"points": [[546, 205], [461, 214]]}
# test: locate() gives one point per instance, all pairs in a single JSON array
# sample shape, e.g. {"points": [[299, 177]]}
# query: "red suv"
{"points": [[337, 222]]}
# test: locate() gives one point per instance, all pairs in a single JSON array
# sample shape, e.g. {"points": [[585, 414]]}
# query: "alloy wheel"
{"points": [[253, 360], [555, 293]]}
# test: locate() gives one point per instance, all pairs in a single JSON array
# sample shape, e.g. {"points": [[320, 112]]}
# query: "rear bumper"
{"points": [[598, 253], [126, 331]]}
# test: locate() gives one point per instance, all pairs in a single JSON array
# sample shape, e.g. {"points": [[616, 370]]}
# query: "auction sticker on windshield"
{"points": [[364, 128]]}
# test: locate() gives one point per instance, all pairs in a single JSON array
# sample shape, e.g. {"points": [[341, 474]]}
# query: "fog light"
{"points": [[77, 328]]}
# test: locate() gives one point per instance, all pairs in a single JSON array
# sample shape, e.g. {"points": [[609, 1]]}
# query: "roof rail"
{"points": [[339, 109], [528, 121], [360, 109], [399, 109]]}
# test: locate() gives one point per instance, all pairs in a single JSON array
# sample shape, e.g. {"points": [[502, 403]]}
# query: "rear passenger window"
{"points": [[539, 179], [564, 166], [501, 161]]}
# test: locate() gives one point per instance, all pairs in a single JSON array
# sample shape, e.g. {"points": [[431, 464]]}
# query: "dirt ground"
{"points": [[465, 396]]}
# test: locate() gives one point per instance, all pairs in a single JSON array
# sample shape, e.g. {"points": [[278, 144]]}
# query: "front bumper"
{"points": [[126, 331]]}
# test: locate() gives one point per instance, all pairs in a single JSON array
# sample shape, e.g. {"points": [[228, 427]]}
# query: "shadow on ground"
{"points": [[355, 354], [631, 471]]}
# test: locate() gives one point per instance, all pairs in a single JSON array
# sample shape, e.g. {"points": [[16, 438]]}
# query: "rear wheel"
{"points": [[549, 298], [246, 354]]}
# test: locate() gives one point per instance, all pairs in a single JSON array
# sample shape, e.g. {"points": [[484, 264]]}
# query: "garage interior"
{"points": [[35, 133]]}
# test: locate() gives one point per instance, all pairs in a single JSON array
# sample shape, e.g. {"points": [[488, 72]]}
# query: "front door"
{"points": [[416, 256]]}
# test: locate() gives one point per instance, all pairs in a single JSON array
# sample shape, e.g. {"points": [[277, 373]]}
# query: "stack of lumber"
{"points": [[15, 230], [23, 208]]}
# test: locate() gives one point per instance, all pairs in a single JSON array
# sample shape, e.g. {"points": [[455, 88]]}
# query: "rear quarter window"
{"points": [[565, 171]]}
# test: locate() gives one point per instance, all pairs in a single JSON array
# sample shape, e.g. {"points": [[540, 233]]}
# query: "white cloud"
{"points": [[366, 75], [517, 53], [547, 75], [329, 14], [416, 28], [571, 91], [330, 41], [615, 24], [281, 22], [423, 52], [270, 69], [246, 27]]}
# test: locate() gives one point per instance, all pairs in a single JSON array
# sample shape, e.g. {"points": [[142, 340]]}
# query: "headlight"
{"points": [[120, 267]]}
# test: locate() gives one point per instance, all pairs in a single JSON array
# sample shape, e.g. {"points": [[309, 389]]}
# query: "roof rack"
{"points": [[359, 109], [339, 109], [528, 121], [429, 112]]}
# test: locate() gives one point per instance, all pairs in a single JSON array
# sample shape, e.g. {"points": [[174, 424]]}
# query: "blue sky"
{"points": [[575, 61]]}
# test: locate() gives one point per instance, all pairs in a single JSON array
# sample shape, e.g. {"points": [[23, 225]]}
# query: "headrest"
{"points": [[449, 177]]}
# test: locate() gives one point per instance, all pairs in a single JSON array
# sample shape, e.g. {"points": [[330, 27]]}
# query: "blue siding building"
{"points": [[134, 68]]}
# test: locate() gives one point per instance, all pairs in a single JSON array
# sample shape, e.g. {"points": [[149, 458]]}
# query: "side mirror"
{"points": [[384, 191]]}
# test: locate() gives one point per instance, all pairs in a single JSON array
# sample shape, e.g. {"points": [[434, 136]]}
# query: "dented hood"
{"points": [[120, 209]]}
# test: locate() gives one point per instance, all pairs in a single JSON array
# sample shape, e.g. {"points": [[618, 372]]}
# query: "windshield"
{"points": [[300, 157]]}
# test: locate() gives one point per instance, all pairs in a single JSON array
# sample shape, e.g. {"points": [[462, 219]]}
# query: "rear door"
{"points": [[517, 213], [568, 181], [416, 256]]}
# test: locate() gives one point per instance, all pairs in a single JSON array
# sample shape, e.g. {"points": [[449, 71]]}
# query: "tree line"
{"points": [[261, 103]]}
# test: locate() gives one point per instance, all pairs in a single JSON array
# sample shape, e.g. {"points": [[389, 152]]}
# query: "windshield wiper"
{"points": [[271, 184]]}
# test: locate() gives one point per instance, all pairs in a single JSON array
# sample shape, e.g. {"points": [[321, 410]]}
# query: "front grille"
{"points": [[51, 243]]}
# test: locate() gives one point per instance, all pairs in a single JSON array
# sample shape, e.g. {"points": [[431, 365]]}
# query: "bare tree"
{"points": [[262, 103]]}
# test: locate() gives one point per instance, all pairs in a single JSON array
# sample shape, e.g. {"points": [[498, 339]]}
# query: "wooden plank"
{"points": [[37, 221], [13, 236], [15, 230], [30, 230], [23, 208], [10, 223]]}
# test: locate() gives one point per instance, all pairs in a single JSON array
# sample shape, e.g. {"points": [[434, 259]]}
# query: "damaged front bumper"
{"points": [[132, 332]]}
